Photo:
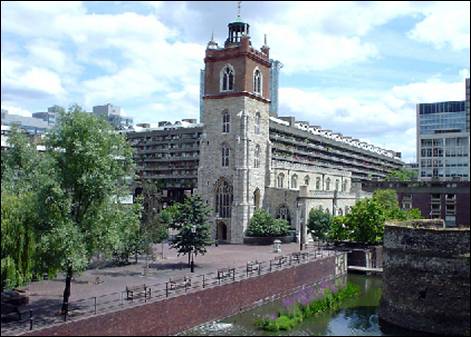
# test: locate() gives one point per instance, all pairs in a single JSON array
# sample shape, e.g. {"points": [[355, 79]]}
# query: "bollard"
{"points": [[31, 319]]}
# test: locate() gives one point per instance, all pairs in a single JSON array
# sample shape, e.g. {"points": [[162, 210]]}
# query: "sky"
{"points": [[354, 68]]}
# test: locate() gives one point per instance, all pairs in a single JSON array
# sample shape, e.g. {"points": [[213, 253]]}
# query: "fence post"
{"points": [[259, 268], [30, 319], [204, 281], [95, 304], [166, 289]]}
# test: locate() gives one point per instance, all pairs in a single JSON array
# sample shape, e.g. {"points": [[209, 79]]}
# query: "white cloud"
{"points": [[388, 119], [445, 24], [15, 110], [17, 76]]}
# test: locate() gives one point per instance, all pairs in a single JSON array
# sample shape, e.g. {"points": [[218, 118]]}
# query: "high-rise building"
{"points": [[113, 115], [274, 78], [51, 115], [443, 140]]}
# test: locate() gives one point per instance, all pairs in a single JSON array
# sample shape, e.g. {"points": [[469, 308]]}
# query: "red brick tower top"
{"points": [[237, 69]]}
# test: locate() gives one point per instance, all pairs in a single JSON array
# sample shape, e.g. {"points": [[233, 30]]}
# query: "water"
{"points": [[357, 317]]}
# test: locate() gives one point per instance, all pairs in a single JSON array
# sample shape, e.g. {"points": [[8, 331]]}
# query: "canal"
{"points": [[357, 317]]}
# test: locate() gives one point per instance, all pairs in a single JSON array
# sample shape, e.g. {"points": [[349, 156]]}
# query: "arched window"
{"points": [[281, 178], [225, 155], [227, 78], [327, 184], [337, 184], [257, 81], [257, 123], [283, 213], [223, 199], [226, 122], [340, 211], [256, 198], [318, 183], [327, 211], [344, 187], [306, 180], [256, 160], [294, 181]]}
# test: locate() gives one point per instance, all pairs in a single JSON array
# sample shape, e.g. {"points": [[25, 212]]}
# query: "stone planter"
{"points": [[267, 240]]}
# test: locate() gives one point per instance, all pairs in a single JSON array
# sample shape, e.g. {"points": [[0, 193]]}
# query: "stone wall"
{"points": [[176, 314], [426, 279]]}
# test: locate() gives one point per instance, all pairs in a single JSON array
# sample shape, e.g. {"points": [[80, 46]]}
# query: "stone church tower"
{"points": [[234, 149]]}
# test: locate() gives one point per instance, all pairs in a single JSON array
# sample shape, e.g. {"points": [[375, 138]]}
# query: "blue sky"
{"points": [[355, 68]]}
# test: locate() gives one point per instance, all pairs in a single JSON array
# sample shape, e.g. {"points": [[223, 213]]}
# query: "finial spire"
{"points": [[265, 40], [212, 35], [238, 10]]}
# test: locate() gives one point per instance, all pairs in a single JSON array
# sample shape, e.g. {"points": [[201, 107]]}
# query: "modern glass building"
{"points": [[443, 141]]}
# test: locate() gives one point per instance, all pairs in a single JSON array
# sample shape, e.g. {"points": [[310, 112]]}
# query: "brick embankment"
{"points": [[175, 314]]}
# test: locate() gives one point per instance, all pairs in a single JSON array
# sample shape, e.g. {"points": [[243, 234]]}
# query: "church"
{"points": [[242, 156]]}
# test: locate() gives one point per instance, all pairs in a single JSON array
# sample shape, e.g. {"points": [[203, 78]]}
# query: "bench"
{"points": [[175, 284], [132, 290], [253, 266], [298, 256], [278, 261], [225, 273]]}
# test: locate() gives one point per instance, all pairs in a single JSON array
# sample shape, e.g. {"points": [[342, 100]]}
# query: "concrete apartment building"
{"points": [[242, 156], [443, 140], [113, 115]]}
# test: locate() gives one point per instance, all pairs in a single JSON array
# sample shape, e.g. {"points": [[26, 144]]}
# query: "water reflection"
{"points": [[358, 317]]}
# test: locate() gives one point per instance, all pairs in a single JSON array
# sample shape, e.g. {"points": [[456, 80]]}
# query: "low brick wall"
{"points": [[173, 315], [426, 279]]}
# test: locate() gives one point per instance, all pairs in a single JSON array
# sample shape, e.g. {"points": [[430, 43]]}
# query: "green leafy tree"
{"points": [[366, 221], [23, 172], [192, 213], [387, 198], [83, 214], [262, 224], [339, 230], [319, 223], [401, 175]]}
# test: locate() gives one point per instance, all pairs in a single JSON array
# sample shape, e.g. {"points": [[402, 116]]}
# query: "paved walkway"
{"points": [[115, 279]]}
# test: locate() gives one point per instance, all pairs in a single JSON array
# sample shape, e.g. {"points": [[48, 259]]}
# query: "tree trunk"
{"points": [[68, 278], [135, 256], [189, 263]]}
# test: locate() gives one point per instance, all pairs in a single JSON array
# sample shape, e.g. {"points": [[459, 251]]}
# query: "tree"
{"points": [[339, 230], [319, 223], [387, 199], [82, 210], [186, 216], [23, 172], [401, 175], [263, 224], [366, 221]]}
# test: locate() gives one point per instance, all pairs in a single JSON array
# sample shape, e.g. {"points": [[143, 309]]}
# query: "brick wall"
{"points": [[176, 314]]}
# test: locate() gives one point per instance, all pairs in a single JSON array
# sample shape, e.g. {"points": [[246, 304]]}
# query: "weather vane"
{"points": [[238, 10]]}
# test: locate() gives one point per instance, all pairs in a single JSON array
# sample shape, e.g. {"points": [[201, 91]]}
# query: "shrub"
{"points": [[263, 224]]}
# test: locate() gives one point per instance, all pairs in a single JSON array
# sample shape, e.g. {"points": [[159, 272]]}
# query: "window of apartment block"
{"points": [[407, 201]]}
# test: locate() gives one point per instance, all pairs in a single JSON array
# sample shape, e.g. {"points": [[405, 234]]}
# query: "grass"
{"points": [[329, 302]]}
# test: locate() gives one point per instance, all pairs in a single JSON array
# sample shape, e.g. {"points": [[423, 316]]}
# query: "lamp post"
{"points": [[193, 232]]}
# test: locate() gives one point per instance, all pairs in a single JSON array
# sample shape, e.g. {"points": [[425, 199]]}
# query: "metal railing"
{"points": [[42, 316]]}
